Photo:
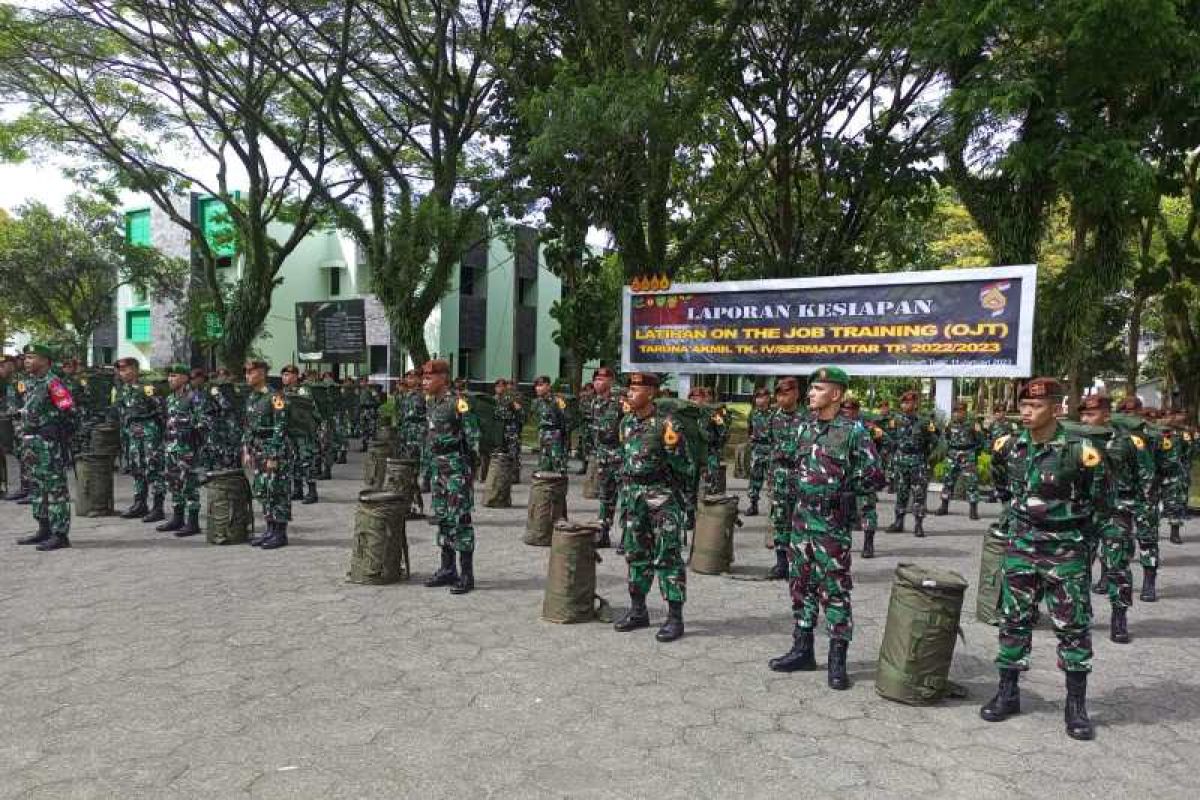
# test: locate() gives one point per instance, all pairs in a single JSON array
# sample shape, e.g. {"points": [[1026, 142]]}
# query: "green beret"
{"points": [[39, 349], [830, 375], [179, 369]]}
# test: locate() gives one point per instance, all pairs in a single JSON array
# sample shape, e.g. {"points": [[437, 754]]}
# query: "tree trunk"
{"points": [[1131, 347]]}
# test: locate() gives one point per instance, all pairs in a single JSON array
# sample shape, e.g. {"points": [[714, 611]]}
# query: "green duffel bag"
{"points": [[375, 465], [497, 491], [401, 477], [547, 505], [991, 576], [95, 483], [380, 553], [570, 594], [741, 461], [302, 413], [105, 440], [918, 640], [589, 481], [229, 516], [712, 543]]}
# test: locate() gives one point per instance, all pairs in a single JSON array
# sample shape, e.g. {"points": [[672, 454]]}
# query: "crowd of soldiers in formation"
{"points": [[1071, 494]]}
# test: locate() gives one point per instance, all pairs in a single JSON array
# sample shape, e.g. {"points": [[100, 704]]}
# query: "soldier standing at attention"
{"points": [[1176, 482], [453, 447], [303, 419], [586, 394], [141, 412], [224, 425], [914, 437], [964, 440], [887, 447], [605, 423], [410, 415], [10, 407], [1000, 426], [510, 412], [1059, 501], [266, 450], [654, 465], [760, 446], [369, 401], [866, 502], [47, 422], [185, 423], [718, 435], [1132, 466], [837, 463], [551, 413], [785, 427]]}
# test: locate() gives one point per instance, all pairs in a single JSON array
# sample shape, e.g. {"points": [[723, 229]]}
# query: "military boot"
{"points": [[838, 679], [918, 527], [138, 509], [1007, 701], [1118, 630], [278, 539], [192, 527], [341, 458], [898, 525], [43, 532], [800, 658], [57, 541], [466, 573], [868, 550], [156, 512], [752, 511], [17, 494], [672, 629], [311, 496], [780, 570], [636, 617], [603, 540], [1176, 538], [974, 513], [258, 538], [944, 508], [1101, 584], [1149, 592], [365, 442], [175, 523], [446, 574], [298, 490], [1075, 714]]}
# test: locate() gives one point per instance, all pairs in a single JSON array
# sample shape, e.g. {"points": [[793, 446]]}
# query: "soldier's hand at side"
{"points": [[269, 466]]}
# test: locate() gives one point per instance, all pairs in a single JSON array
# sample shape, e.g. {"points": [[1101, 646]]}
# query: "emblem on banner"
{"points": [[992, 297]]}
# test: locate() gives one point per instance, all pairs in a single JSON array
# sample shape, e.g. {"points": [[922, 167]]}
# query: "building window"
{"points": [[140, 296], [335, 282], [527, 292], [377, 359], [137, 326], [137, 227], [466, 281], [106, 355], [525, 367]]}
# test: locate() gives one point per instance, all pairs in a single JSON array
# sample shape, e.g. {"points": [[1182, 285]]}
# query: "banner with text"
{"points": [[334, 331], [950, 323]]}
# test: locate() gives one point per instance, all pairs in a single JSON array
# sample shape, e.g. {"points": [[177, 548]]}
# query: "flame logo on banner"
{"points": [[650, 283]]}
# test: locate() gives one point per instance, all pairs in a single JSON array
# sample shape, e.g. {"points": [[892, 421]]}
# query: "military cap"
{"points": [[1042, 389], [178, 369], [1095, 402], [127, 361], [604, 372], [786, 384], [851, 404], [39, 349], [643, 379], [199, 372], [1131, 403], [289, 368], [830, 375], [436, 366], [541, 379]]}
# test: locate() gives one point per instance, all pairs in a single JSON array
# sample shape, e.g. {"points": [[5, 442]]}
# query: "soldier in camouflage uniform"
{"points": [[587, 393], [914, 438], [453, 445], [267, 450], [999, 426], [14, 398], [48, 419], [347, 421], [867, 515], [1175, 484], [785, 427], [369, 401], [887, 447], [9, 407], [837, 464], [1132, 466], [141, 412], [718, 434], [964, 441], [654, 466], [302, 429], [185, 432], [510, 413], [760, 446], [71, 376], [551, 415], [604, 423], [224, 425], [1059, 496], [411, 418]]}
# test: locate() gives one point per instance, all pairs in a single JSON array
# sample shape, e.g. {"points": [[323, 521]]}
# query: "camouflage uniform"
{"points": [[452, 441], [785, 455], [1173, 486], [887, 446], [48, 419], [995, 431], [141, 412], [410, 413], [511, 415], [654, 464], [305, 457], [914, 438], [1132, 464], [185, 430], [1058, 496], [347, 414], [868, 498], [10, 407], [604, 424], [760, 451], [964, 440], [368, 413], [1148, 529], [223, 426], [551, 416], [265, 436], [717, 435]]}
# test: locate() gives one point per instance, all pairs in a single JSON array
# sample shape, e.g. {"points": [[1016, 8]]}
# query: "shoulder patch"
{"points": [[670, 437], [148, 390], [932, 427], [214, 391], [1138, 441], [998, 445], [562, 404], [303, 391], [892, 423], [1089, 456], [83, 381], [21, 387], [1167, 444], [462, 406], [112, 395], [278, 403], [876, 433]]}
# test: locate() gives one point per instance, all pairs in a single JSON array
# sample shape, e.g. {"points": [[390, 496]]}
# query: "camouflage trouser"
{"points": [[1174, 499], [146, 458], [887, 462], [552, 454], [453, 501], [512, 446], [691, 498], [273, 489], [368, 423], [1060, 572], [341, 433], [652, 535], [1116, 553], [783, 504], [960, 463], [180, 477], [305, 466], [46, 465], [711, 467], [412, 442], [868, 516], [1147, 535], [912, 483], [760, 462], [819, 573], [608, 463]]}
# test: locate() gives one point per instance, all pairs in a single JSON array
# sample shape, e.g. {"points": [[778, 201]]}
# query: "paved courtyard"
{"points": [[139, 665]]}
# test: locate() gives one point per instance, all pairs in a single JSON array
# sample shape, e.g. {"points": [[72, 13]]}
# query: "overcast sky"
{"points": [[21, 182]]}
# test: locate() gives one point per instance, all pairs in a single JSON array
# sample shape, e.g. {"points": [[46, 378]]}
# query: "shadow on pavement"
{"points": [[1175, 628]]}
